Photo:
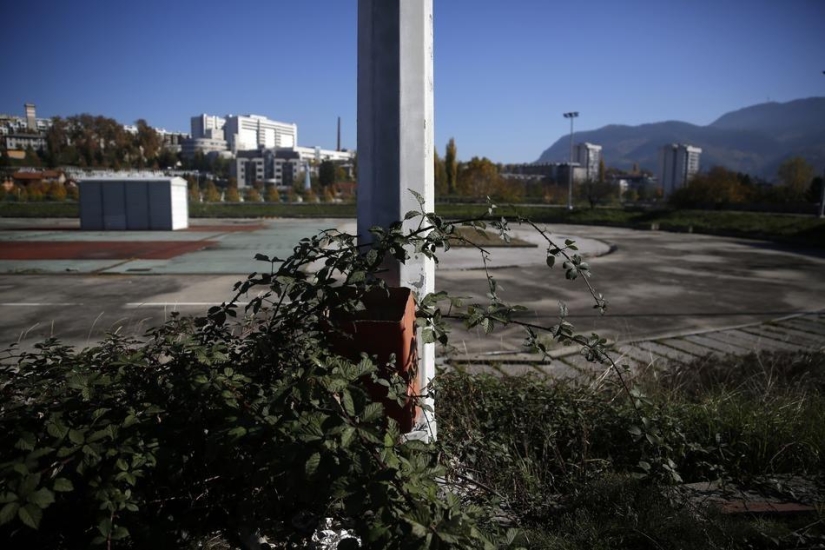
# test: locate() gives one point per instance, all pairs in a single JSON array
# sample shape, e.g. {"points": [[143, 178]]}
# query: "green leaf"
{"points": [[373, 411], [105, 527], [31, 515], [312, 464], [26, 442], [551, 261], [28, 484], [8, 512], [130, 420], [76, 437], [57, 430], [372, 257], [120, 533], [239, 431], [42, 498], [346, 436], [63, 485], [356, 277], [346, 401]]}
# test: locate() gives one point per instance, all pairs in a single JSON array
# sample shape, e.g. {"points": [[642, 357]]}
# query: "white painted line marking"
{"points": [[36, 304], [176, 304]]}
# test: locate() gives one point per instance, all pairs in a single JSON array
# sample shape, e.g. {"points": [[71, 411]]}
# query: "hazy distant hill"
{"points": [[754, 139]]}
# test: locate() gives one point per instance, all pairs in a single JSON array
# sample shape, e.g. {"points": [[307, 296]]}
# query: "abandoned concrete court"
{"points": [[671, 295]]}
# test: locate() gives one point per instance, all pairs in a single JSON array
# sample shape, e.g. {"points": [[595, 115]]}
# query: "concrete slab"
{"points": [[750, 341], [667, 352], [806, 324], [690, 347], [783, 336], [664, 302], [724, 347], [797, 336]]}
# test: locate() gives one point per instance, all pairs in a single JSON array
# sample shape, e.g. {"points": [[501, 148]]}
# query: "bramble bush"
{"points": [[245, 419]]}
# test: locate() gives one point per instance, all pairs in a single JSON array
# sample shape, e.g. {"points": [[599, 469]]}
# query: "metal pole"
{"points": [[822, 197], [571, 116]]}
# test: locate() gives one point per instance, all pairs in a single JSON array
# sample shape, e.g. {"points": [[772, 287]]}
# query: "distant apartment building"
{"points": [[678, 163], [21, 133], [280, 166], [551, 172], [318, 155], [21, 142], [588, 157]]}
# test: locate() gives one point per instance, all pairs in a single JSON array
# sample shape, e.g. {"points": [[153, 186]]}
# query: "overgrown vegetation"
{"points": [[214, 425], [556, 454], [247, 419]]}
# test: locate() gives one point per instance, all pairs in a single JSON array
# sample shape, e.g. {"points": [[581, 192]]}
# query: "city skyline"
{"points": [[504, 72]]}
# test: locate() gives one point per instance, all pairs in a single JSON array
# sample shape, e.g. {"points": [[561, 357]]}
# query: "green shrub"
{"points": [[214, 425]]}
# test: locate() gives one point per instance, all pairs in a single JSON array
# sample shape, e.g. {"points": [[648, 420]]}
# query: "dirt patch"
{"points": [[99, 250]]}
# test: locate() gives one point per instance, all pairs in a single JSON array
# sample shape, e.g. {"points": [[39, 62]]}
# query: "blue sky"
{"points": [[505, 71]]}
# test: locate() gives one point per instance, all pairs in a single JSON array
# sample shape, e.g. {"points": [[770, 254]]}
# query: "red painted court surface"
{"points": [[98, 250], [195, 229]]}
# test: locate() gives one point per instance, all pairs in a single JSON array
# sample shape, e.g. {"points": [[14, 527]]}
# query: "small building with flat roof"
{"points": [[133, 203]]}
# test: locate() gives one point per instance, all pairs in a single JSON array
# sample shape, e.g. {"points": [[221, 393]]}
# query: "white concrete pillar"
{"points": [[395, 131]]}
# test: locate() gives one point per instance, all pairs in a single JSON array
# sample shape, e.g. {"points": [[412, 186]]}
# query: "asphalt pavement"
{"points": [[663, 288]]}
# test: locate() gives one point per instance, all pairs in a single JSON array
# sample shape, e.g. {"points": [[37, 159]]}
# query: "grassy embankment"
{"points": [[802, 230], [560, 459]]}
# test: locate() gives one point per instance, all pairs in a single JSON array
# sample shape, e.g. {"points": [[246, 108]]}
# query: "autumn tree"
{"points": [[210, 192], [451, 166], [252, 195], [148, 140], [56, 192], [439, 175], [272, 194], [716, 188], [601, 171], [796, 175], [341, 174], [194, 189], [232, 194], [478, 178]]}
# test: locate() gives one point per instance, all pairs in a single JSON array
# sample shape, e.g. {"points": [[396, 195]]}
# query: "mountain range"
{"points": [[754, 140]]}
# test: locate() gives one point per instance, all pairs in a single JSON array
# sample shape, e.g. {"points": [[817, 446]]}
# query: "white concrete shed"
{"points": [[132, 203]]}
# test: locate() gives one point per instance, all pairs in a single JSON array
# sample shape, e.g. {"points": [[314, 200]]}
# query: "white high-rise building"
{"points": [[678, 162], [588, 156], [207, 127], [250, 132]]}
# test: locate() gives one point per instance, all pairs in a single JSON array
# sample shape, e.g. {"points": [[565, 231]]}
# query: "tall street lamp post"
{"points": [[571, 116]]}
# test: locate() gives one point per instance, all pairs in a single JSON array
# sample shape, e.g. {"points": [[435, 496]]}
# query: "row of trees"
{"points": [[208, 191], [720, 187], [38, 191], [480, 177], [101, 142]]}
